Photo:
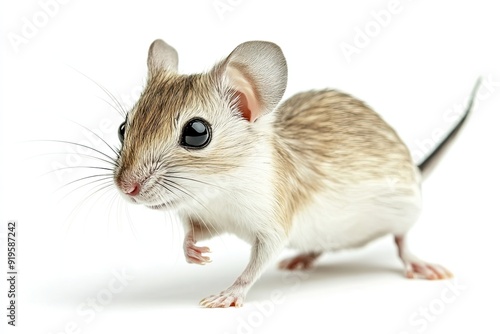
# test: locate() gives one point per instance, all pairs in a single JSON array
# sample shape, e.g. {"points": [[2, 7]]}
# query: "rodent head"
{"points": [[187, 132]]}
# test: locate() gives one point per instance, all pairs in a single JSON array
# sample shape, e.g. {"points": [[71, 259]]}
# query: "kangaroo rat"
{"points": [[320, 172]]}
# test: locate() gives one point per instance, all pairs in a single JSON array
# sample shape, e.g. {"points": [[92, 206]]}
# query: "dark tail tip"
{"points": [[431, 160]]}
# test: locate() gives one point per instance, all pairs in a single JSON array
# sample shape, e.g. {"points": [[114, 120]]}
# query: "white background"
{"points": [[416, 69]]}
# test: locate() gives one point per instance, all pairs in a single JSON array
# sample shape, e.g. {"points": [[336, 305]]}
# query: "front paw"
{"points": [[194, 254], [223, 300]]}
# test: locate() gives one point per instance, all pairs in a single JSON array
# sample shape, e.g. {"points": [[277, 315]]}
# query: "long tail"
{"points": [[431, 160]]}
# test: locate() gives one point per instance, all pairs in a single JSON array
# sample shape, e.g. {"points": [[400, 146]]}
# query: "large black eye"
{"points": [[121, 131], [196, 133]]}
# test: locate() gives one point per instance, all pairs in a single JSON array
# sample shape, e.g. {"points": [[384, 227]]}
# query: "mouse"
{"points": [[318, 172]]}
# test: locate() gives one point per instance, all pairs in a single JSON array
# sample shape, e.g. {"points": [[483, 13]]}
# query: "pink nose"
{"points": [[133, 190]]}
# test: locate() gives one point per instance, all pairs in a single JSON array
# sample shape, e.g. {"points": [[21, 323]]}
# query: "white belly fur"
{"points": [[355, 215]]}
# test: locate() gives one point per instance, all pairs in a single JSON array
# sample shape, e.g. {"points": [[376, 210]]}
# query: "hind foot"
{"points": [[299, 262], [415, 267]]}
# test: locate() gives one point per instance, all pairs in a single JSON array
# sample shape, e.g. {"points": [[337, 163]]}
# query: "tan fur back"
{"points": [[336, 134], [325, 137]]}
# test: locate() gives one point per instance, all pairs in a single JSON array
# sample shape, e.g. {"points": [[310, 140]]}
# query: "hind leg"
{"points": [[415, 267], [301, 261]]}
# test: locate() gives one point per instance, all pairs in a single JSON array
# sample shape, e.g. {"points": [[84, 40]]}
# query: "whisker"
{"points": [[176, 230], [75, 167], [200, 219], [104, 190], [173, 184], [102, 178], [105, 90], [120, 112], [103, 182], [94, 191], [130, 221], [168, 174], [99, 137], [204, 164], [168, 183], [193, 180], [112, 160], [62, 153], [208, 226], [113, 202]]}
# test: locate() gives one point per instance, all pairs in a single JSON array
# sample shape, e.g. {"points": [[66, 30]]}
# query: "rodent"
{"points": [[320, 172]]}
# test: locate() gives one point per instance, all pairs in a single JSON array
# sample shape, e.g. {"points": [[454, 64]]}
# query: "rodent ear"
{"points": [[162, 56], [257, 71]]}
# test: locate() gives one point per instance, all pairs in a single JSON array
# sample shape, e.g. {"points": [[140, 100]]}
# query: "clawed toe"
{"points": [[194, 254], [417, 268], [223, 300], [427, 270]]}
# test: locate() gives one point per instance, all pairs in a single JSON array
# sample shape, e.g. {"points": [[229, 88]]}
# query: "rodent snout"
{"points": [[132, 190], [129, 185]]}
